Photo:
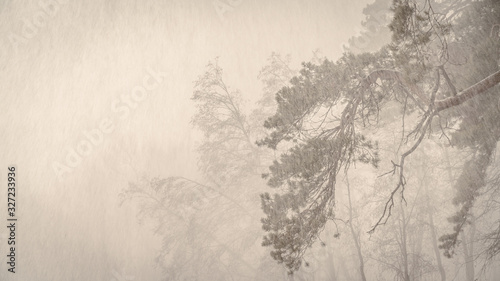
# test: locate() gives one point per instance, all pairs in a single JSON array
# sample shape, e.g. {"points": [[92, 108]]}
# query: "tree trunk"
{"points": [[432, 227], [421, 99], [468, 245], [346, 272], [430, 217], [355, 235], [470, 92], [403, 246], [332, 274], [416, 251]]}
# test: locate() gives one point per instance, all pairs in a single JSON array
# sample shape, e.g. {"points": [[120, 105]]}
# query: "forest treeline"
{"points": [[380, 165]]}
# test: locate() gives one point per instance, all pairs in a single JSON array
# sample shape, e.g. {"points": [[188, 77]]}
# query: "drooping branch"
{"points": [[311, 192], [402, 181], [434, 108]]}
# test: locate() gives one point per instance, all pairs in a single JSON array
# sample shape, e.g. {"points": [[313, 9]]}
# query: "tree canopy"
{"points": [[324, 118], [398, 112]]}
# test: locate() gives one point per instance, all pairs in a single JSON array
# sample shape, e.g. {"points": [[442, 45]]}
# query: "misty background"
{"points": [[60, 79]]}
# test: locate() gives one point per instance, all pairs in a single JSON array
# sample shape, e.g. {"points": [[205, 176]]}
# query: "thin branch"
{"points": [[402, 181], [448, 81]]}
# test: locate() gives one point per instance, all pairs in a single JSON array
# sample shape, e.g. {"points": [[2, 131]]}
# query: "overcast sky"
{"points": [[66, 73]]}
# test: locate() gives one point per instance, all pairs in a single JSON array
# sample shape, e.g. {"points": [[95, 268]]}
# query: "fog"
{"points": [[125, 171]]}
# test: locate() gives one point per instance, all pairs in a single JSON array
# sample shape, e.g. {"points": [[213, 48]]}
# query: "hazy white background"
{"points": [[62, 81]]}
